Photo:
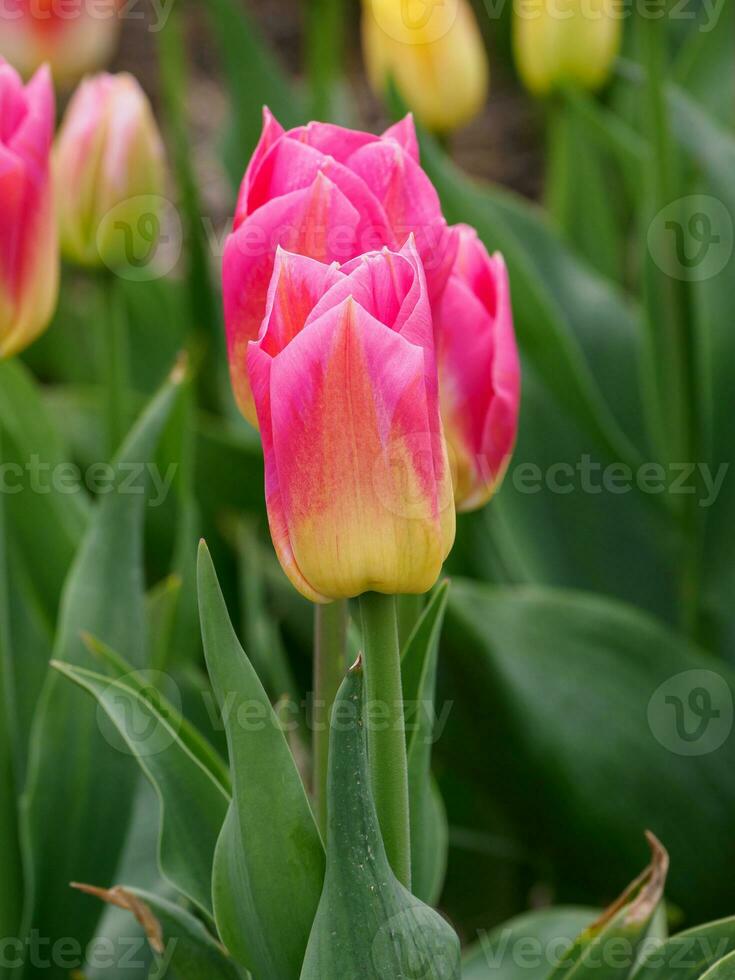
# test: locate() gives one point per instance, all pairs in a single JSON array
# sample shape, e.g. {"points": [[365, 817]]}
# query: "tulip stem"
{"points": [[386, 728], [330, 664], [114, 373]]}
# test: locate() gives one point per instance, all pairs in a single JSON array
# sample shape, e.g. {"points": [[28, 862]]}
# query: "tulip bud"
{"points": [[29, 259], [559, 42], [358, 488], [479, 373], [331, 194], [72, 42], [109, 173], [433, 53]]}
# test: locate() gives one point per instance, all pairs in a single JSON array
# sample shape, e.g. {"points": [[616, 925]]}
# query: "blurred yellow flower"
{"points": [[560, 42], [433, 52]]}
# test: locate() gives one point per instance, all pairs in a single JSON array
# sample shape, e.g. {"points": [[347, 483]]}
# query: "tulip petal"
{"points": [[334, 141], [411, 204], [479, 372], [289, 166], [296, 285], [271, 132], [302, 221], [404, 133], [353, 464]]}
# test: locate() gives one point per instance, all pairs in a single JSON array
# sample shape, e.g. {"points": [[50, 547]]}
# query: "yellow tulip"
{"points": [[565, 42], [432, 50]]}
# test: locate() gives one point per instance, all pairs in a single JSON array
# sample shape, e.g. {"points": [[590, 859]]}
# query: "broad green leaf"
{"points": [[723, 970], [688, 955], [705, 65], [579, 696], [609, 948], [182, 947], [146, 683], [261, 633], [192, 803], [269, 863], [578, 191], [527, 947], [368, 926], [429, 832], [41, 512], [712, 148], [556, 302], [75, 817], [10, 883], [32, 633]]}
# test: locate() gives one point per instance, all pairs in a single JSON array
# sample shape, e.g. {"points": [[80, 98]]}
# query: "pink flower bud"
{"points": [[109, 171], [330, 194], [479, 372], [343, 376], [29, 260], [73, 39]]}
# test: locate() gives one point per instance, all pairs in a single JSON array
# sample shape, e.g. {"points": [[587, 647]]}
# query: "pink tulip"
{"points": [[109, 167], [29, 261], [479, 372], [343, 376], [72, 38], [330, 194]]}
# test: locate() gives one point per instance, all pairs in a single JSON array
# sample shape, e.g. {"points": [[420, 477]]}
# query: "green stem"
{"points": [[324, 47], [386, 728], [672, 346], [114, 366], [207, 336], [330, 664]]}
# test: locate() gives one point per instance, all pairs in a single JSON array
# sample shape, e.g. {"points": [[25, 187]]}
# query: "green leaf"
{"points": [[269, 863], [368, 926], [10, 883], [574, 693], [711, 148], [723, 970], [615, 939], [554, 298], [526, 947], [182, 947], [104, 594], [429, 830], [41, 513], [689, 955], [141, 682], [193, 804]]}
